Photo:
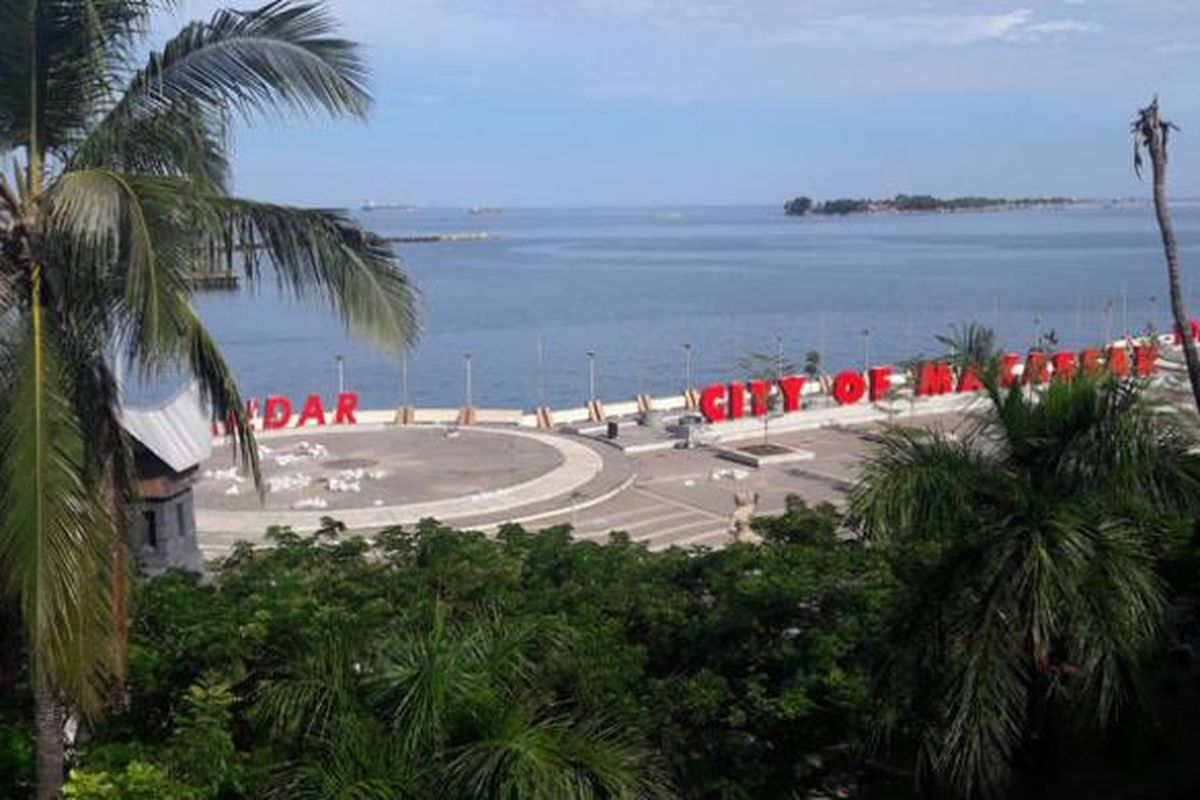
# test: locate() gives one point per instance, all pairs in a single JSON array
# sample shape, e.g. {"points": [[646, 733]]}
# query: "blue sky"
{"points": [[660, 102]]}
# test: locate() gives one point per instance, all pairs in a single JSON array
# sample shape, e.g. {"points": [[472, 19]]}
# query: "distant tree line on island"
{"points": [[911, 203]]}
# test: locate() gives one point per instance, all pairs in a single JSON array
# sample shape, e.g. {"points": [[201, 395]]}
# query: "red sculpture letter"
{"points": [[737, 401], [1036, 370], [712, 403], [277, 413], [934, 378], [1007, 365], [313, 410], [849, 388], [759, 392], [1145, 360], [880, 379], [1089, 361], [1118, 361], [969, 381], [1064, 365], [791, 388], [347, 403]]}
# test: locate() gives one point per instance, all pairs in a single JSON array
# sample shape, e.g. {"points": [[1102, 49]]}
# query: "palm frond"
{"points": [[916, 481], [325, 254], [524, 755], [55, 537], [282, 54], [58, 64]]}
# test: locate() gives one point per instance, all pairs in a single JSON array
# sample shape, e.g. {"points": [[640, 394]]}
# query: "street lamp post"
{"points": [[340, 360], [866, 334], [687, 368], [404, 379], [591, 355], [467, 365]]}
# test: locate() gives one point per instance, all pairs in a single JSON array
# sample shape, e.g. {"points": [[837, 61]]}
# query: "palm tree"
{"points": [[1034, 598], [1151, 131], [460, 708], [119, 187]]}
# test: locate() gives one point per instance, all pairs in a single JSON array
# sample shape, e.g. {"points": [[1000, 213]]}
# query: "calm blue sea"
{"points": [[634, 285]]}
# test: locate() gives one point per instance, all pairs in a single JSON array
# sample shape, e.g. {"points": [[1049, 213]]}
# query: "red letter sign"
{"points": [[791, 388], [934, 378], [737, 401], [759, 391], [712, 403], [1007, 365], [313, 410], [1064, 365], [849, 388], [881, 381], [969, 381], [347, 403], [1036, 370], [1118, 361], [277, 413], [1144, 360]]}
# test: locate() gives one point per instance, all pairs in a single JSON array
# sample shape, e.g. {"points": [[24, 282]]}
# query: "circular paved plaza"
{"points": [[375, 476]]}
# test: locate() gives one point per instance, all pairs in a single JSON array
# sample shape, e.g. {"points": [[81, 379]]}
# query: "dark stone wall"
{"points": [[164, 534]]}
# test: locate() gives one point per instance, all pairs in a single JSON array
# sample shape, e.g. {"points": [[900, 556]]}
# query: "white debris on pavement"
{"points": [[730, 474], [230, 474], [347, 482], [310, 503], [233, 491], [288, 483], [302, 451]]}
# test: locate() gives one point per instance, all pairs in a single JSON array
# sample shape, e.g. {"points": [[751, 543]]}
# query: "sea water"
{"points": [[636, 286]]}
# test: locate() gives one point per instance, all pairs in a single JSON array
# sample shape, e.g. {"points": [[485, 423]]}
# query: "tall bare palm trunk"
{"points": [[48, 732], [1151, 132]]}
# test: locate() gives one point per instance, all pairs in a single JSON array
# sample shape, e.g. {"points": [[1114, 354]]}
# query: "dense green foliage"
{"points": [[438, 658]]}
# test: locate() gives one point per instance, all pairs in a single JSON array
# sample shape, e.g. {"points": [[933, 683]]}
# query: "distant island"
{"points": [[915, 203]]}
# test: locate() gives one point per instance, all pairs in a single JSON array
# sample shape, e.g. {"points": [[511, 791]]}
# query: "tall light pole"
{"points": [[340, 360], [467, 365], [1153, 313], [1124, 308], [687, 367], [778, 356], [541, 372], [404, 379], [591, 354], [866, 334]]}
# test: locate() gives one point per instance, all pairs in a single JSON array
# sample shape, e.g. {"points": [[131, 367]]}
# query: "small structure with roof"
{"points": [[170, 442]]}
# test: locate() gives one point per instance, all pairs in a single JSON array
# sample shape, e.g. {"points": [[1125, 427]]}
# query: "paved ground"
{"points": [[480, 478]]}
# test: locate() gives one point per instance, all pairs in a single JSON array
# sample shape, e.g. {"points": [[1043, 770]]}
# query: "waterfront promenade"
{"points": [[377, 474]]}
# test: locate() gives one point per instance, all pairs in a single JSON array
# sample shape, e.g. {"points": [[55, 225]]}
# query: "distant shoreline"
{"points": [[919, 204]]}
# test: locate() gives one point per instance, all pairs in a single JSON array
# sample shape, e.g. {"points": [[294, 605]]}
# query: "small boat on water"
{"points": [[484, 211], [371, 205]]}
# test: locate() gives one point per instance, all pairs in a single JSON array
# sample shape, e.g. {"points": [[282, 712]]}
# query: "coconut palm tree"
{"points": [[1026, 542], [119, 187], [1151, 132]]}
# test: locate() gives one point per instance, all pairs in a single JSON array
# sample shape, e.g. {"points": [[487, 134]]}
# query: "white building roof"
{"points": [[179, 432]]}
